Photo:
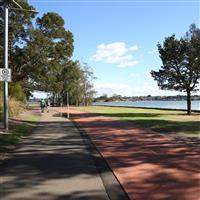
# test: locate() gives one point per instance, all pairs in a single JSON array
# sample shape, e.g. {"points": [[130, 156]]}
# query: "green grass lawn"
{"points": [[12, 137], [162, 121]]}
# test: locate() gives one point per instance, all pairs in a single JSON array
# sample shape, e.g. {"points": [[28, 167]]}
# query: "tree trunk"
{"points": [[188, 102]]}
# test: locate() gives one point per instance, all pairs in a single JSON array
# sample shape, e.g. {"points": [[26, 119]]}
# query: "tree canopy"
{"points": [[40, 52], [181, 63]]}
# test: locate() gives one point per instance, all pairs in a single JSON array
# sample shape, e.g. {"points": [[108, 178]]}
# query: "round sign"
{"points": [[5, 72]]}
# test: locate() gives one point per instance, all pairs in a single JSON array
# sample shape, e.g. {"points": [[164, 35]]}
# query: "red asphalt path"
{"points": [[148, 165]]}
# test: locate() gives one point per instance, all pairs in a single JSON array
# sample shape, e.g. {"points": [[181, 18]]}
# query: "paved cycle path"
{"points": [[53, 163], [150, 166]]}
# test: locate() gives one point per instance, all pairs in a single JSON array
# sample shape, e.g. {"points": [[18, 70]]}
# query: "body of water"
{"points": [[153, 104]]}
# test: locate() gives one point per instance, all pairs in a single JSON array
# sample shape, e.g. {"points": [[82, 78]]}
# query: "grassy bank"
{"points": [[163, 121], [19, 130]]}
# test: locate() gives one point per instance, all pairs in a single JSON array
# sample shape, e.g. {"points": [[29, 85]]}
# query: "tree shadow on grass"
{"points": [[151, 165], [129, 115], [149, 120], [17, 129], [168, 127]]}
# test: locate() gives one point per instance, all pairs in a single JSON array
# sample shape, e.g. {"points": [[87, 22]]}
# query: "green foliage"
{"points": [[20, 25], [1, 108], [16, 99], [181, 63], [76, 81], [40, 58], [86, 85], [103, 98], [114, 97], [16, 91], [15, 107]]}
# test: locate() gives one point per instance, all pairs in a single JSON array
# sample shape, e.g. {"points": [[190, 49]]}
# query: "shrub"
{"points": [[1, 108], [15, 107], [16, 99], [16, 91]]}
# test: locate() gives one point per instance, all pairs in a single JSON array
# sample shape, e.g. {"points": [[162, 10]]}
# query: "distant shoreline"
{"points": [[160, 105], [198, 111], [147, 100]]}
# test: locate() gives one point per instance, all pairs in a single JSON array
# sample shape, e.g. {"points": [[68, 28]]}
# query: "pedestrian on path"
{"points": [[47, 104], [42, 105]]}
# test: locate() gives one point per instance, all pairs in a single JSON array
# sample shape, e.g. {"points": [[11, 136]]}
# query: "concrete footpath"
{"points": [[55, 163]]}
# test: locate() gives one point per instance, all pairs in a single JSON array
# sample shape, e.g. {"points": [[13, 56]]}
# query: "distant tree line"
{"points": [[40, 58], [115, 97]]}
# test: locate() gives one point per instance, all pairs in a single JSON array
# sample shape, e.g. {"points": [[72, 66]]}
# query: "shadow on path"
{"points": [[147, 164], [53, 163]]}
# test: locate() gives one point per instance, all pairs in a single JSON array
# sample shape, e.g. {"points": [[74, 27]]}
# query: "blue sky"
{"points": [[118, 38]]}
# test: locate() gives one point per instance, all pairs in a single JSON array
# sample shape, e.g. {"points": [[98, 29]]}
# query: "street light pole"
{"points": [[5, 89], [6, 64]]}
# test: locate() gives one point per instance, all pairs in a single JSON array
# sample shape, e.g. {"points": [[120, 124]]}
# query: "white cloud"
{"points": [[134, 48], [116, 53]]}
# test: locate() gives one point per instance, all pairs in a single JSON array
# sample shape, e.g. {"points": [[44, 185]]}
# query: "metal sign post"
{"points": [[67, 105], [5, 64]]}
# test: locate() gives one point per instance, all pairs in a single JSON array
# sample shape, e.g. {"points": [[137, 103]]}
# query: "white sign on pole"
{"points": [[5, 75]]}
